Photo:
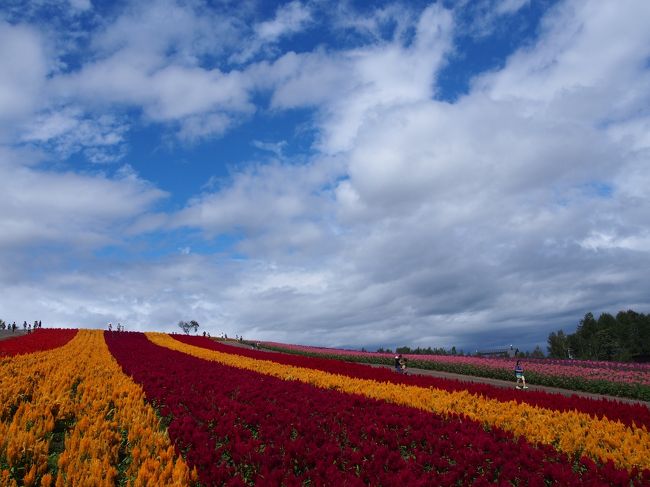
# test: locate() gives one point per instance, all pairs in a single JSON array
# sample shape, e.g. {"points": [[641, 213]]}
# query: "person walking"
{"points": [[402, 364], [398, 365], [519, 375]]}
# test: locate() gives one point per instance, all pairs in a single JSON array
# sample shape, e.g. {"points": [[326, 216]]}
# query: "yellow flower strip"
{"points": [[570, 432], [80, 390]]}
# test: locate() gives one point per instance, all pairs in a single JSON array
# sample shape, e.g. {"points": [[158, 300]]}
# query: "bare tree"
{"points": [[188, 326]]}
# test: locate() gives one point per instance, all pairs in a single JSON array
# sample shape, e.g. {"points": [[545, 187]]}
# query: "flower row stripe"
{"points": [[70, 416], [38, 341], [570, 432], [628, 414], [590, 371], [240, 427], [498, 362]]}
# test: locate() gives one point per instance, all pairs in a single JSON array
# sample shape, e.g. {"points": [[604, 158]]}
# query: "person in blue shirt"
{"points": [[519, 374]]}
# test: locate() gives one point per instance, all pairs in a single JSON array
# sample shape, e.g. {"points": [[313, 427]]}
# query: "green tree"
{"points": [[623, 337], [537, 353], [558, 345], [583, 341]]}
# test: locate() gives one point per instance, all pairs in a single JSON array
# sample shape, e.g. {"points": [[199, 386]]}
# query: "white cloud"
{"points": [[24, 67], [167, 94], [560, 72], [599, 241], [457, 216], [289, 19], [167, 30], [273, 215], [81, 211], [275, 148], [510, 6], [352, 85], [67, 131], [509, 212], [390, 21]]}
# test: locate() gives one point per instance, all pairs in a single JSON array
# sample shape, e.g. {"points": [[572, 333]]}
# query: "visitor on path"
{"points": [[519, 374], [402, 364], [398, 367]]}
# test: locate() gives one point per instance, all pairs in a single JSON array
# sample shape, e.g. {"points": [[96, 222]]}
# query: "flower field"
{"points": [[38, 341], [69, 416], [611, 378], [108, 408]]}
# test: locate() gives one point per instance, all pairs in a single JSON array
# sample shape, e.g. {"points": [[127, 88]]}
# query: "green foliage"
{"points": [[625, 337], [423, 351], [537, 353], [558, 345]]}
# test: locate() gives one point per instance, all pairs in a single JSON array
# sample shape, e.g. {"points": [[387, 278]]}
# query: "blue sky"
{"points": [[467, 173]]}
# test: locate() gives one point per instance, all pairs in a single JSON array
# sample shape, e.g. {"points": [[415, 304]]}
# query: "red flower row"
{"points": [[240, 427], [38, 341], [627, 413]]}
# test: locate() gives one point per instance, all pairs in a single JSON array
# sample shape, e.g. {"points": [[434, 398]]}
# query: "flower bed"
{"points": [[69, 416], [614, 410], [38, 341], [632, 382], [571, 432], [239, 424]]}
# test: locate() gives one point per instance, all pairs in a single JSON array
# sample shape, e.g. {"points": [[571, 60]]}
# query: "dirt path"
{"points": [[511, 385], [5, 334], [485, 380]]}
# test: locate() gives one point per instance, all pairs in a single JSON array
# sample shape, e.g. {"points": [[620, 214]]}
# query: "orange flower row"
{"points": [[571, 432], [74, 407]]}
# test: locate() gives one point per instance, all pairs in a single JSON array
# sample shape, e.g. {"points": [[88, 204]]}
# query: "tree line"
{"points": [[420, 351], [624, 337]]}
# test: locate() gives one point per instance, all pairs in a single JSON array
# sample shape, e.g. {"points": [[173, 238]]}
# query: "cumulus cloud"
{"points": [[24, 68], [478, 212], [273, 217], [45, 207], [499, 217], [350, 87]]}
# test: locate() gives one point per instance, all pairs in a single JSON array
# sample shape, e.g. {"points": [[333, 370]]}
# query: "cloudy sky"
{"points": [[469, 173]]}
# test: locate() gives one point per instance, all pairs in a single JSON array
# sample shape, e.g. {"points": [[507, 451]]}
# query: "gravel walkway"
{"points": [[4, 334]]}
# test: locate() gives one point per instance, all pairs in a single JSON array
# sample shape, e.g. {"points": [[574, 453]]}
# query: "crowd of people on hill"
{"points": [[118, 327], [27, 327]]}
